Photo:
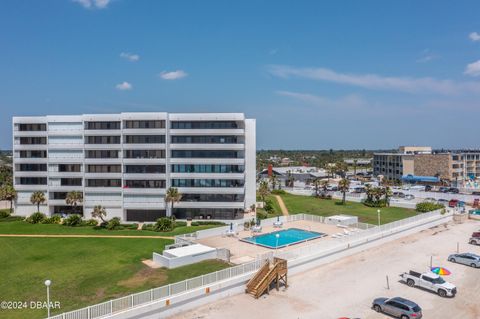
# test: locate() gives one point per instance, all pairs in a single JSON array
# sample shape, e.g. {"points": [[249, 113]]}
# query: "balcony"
{"points": [[210, 205], [211, 190], [201, 146], [232, 161], [236, 131], [208, 175]]}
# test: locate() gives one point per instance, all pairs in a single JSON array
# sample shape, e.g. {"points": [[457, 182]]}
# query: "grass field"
{"points": [[276, 207], [83, 271], [311, 205]]}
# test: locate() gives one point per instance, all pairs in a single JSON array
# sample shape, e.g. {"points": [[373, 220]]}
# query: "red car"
{"points": [[476, 234], [453, 203]]}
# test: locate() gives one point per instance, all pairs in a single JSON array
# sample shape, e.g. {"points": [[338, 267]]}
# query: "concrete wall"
{"points": [[431, 165], [175, 262]]}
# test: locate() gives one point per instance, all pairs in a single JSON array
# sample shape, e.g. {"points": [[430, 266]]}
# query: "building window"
{"points": [[70, 168], [33, 181], [58, 195], [102, 139], [204, 139], [208, 213], [144, 184], [145, 124], [104, 183], [144, 139], [144, 169], [204, 125], [33, 154], [101, 154], [32, 167], [213, 198], [207, 183], [104, 168], [103, 125], [199, 168], [34, 127], [205, 154], [144, 153], [33, 140], [71, 181], [145, 215]]}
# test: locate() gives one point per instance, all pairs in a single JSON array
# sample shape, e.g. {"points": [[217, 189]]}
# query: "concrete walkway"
{"points": [[83, 236], [282, 205]]}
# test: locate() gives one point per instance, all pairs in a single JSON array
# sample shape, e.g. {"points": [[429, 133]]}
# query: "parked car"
{"points": [[398, 307], [453, 190], [409, 197], [453, 203], [443, 189], [474, 241], [430, 199], [398, 194], [476, 193], [468, 259], [442, 201], [429, 281], [476, 234], [428, 188]]}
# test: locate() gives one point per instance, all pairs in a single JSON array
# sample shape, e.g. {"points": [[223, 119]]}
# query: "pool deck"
{"points": [[242, 252]]}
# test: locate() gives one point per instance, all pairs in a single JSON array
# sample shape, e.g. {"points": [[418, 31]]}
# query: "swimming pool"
{"points": [[286, 237]]}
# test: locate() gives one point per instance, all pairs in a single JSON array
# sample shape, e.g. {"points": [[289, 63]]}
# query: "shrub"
{"points": [[262, 214], [36, 218], [113, 223], [207, 222], [147, 227], [73, 220], [54, 219], [278, 192], [4, 213], [90, 222], [180, 224], [268, 207], [424, 207], [130, 226], [372, 203], [164, 224]]}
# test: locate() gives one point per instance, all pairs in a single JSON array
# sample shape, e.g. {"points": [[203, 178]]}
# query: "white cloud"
{"points": [[173, 75], [377, 82], [124, 86], [91, 4], [474, 36], [130, 56], [426, 56], [473, 69], [345, 101]]}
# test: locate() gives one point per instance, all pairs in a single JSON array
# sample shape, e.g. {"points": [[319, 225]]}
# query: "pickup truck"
{"points": [[475, 241], [429, 281]]}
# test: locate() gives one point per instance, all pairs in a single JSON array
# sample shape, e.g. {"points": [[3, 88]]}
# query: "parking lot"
{"points": [[348, 286]]}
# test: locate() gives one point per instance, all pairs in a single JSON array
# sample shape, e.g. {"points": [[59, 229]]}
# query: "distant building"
{"points": [[299, 174], [359, 161], [415, 163]]}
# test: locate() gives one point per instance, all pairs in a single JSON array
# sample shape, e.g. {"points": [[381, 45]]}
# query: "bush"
{"points": [[278, 192], [54, 219], [199, 223], [262, 214], [372, 203], [4, 213], [268, 207], [180, 224], [113, 223], [147, 227], [73, 220], [90, 222], [130, 226], [427, 207], [164, 224], [36, 218]]}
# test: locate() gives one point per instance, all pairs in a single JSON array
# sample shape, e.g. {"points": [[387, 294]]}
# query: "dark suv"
{"points": [[398, 307]]}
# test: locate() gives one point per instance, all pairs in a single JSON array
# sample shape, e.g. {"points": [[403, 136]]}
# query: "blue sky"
{"points": [[315, 74]]}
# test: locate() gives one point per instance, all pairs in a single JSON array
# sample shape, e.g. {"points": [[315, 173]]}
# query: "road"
{"points": [[348, 286]]}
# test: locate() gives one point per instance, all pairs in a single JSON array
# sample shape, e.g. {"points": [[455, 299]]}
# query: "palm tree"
{"points": [[290, 179], [273, 180], [387, 192], [37, 198], [263, 190], [343, 186], [73, 199], [369, 192], [172, 196], [342, 168], [8, 192], [316, 183], [324, 185], [355, 161], [331, 169], [99, 212]]}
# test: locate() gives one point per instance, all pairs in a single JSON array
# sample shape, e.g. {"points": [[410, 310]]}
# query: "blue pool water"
{"points": [[286, 237]]}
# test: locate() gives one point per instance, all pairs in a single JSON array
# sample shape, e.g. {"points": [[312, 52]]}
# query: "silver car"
{"points": [[398, 307], [468, 259]]}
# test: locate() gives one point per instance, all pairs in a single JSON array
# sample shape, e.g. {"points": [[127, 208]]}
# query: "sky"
{"points": [[315, 74]]}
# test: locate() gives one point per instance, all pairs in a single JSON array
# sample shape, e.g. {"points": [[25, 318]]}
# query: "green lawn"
{"points": [[83, 271], [276, 207], [311, 205], [22, 227]]}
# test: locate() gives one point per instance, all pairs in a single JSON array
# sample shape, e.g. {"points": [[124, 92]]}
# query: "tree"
{"points": [[8, 192], [263, 190], [342, 168], [37, 198], [316, 183], [99, 212], [324, 185], [273, 180], [331, 169], [343, 186], [355, 162], [387, 192], [290, 179], [172, 196], [73, 199]]}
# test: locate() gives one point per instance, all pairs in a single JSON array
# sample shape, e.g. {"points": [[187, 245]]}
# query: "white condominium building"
{"points": [[126, 162]]}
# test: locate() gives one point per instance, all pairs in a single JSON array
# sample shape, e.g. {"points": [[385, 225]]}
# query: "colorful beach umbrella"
{"points": [[441, 271]]}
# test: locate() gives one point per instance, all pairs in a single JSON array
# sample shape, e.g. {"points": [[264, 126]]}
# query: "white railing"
{"points": [[300, 254]]}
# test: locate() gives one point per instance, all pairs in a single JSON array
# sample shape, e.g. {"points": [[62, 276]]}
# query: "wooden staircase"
{"points": [[269, 273]]}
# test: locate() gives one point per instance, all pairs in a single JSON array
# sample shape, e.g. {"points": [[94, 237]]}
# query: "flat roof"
{"points": [[194, 249]]}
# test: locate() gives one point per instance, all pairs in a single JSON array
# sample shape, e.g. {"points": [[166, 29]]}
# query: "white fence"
{"points": [[294, 256]]}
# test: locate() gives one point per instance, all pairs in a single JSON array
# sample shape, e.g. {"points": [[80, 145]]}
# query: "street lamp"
{"points": [[277, 236], [378, 214], [48, 283]]}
